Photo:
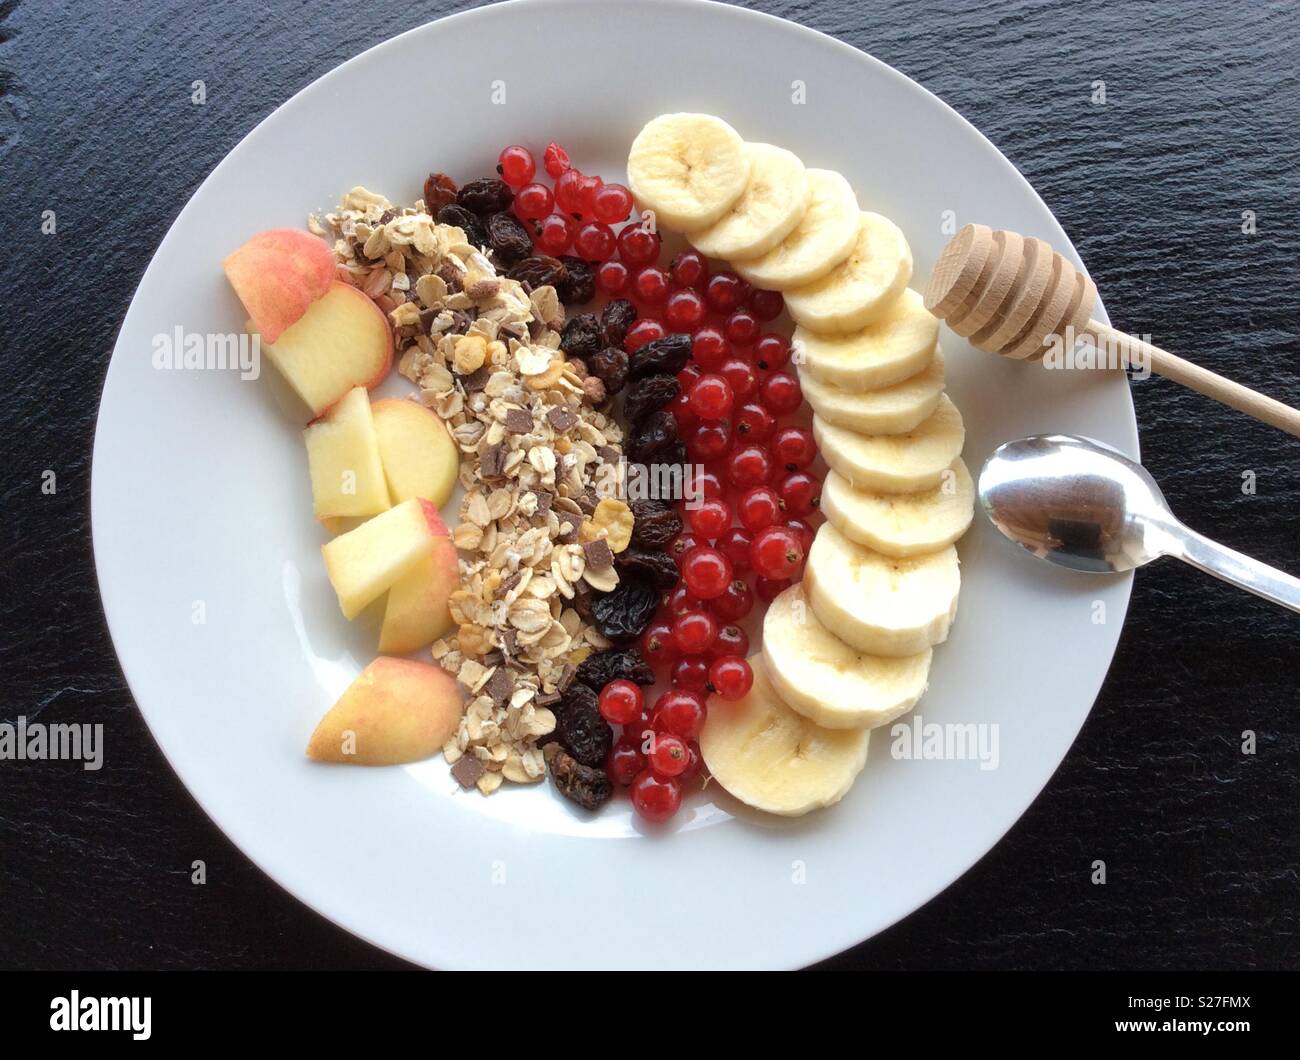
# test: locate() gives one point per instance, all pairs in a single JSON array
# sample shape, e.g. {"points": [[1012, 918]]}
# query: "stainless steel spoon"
{"points": [[1082, 505]]}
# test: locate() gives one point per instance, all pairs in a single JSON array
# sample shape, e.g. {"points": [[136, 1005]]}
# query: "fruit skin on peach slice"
{"points": [[397, 710], [342, 341], [416, 612], [416, 449], [277, 275], [347, 476], [363, 563]]}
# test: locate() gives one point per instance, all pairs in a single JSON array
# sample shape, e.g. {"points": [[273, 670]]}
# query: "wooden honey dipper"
{"points": [[1010, 294]]}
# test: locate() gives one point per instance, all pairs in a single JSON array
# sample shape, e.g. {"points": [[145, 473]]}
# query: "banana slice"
{"points": [[688, 168], [881, 605], [824, 237], [902, 524], [895, 347], [895, 463], [774, 200], [775, 759], [894, 409], [860, 289], [826, 680]]}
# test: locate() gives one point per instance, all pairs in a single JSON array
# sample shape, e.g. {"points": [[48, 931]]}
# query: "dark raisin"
{"points": [[610, 367], [642, 562], [649, 395], [668, 354], [509, 239], [581, 336], [484, 196], [617, 317], [583, 598], [454, 214], [579, 287], [655, 523], [439, 190], [651, 437], [675, 454], [588, 786], [601, 667], [539, 271], [624, 613], [583, 732]]}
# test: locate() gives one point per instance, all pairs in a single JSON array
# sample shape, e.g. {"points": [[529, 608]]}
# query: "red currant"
{"points": [[793, 448], [689, 269], [684, 310], [534, 201], [740, 374], [759, 508], [768, 589], [749, 466], [657, 643], [587, 191], [678, 602], [643, 331], [636, 246], [766, 305], [730, 677], [781, 393], [568, 192], [594, 241], [702, 483], [753, 422], [679, 546], [670, 756], [680, 407], [693, 767], [805, 532], [735, 602], [732, 640], [688, 377], [776, 553], [734, 544], [555, 234], [556, 160], [612, 203], [725, 291], [771, 351], [706, 572], [655, 798], [624, 761], [741, 327], [695, 632], [709, 440], [651, 285], [612, 278], [711, 397], [620, 702], [801, 493], [709, 347], [691, 673], [681, 712], [516, 165], [709, 517]]}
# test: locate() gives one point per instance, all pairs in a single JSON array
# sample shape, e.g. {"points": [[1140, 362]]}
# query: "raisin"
{"points": [[652, 437], [610, 367], [579, 287], [509, 239], [588, 786], [439, 190], [655, 523], [668, 354], [539, 271], [642, 562], [583, 732], [601, 667], [674, 454], [485, 196], [618, 316], [649, 395], [583, 598], [624, 613], [581, 336], [455, 214]]}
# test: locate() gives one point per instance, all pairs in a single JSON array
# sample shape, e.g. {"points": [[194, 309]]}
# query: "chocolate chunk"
{"points": [[476, 380], [518, 421], [561, 419], [508, 583], [492, 463], [467, 770], [568, 534], [598, 555], [543, 501], [500, 686], [609, 455], [546, 699], [509, 645], [588, 499], [566, 678], [492, 658]]}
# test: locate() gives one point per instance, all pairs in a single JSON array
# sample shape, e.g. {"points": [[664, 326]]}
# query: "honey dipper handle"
{"points": [[1194, 377]]}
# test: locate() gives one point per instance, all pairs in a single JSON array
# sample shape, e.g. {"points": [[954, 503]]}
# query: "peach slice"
{"points": [[342, 341], [277, 275], [417, 452], [397, 710], [416, 611], [347, 477], [365, 562]]}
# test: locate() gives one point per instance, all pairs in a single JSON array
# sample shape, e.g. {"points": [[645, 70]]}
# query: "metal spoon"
{"points": [[1081, 505]]}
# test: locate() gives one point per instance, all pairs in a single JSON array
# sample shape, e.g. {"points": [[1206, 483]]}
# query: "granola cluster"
{"points": [[536, 539]]}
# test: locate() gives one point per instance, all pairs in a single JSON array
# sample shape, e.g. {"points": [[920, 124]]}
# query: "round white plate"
{"points": [[202, 510]]}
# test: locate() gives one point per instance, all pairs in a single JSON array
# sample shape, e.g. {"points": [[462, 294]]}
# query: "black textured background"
{"points": [[1200, 124]]}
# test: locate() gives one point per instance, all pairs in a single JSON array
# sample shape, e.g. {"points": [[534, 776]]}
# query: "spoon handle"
{"points": [[1240, 570]]}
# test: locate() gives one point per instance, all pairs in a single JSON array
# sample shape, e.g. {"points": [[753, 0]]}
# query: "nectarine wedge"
{"points": [[365, 562], [416, 611], [347, 476], [277, 275], [416, 449]]}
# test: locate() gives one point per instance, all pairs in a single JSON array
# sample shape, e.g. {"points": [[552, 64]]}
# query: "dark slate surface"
{"points": [[1203, 105]]}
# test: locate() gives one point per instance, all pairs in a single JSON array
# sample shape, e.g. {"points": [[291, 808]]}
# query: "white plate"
{"points": [[200, 494]]}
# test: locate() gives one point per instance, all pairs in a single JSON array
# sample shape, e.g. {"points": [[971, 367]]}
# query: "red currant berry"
{"points": [[657, 643], [709, 440], [680, 407], [732, 640], [695, 632], [684, 310], [534, 201], [706, 572], [587, 192], [725, 291], [636, 246], [801, 493], [594, 241], [753, 422], [620, 702], [702, 483], [740, 374], [781, 393], [612, 203], [741, 327], [612, 278], [768, 589], [692, 769], [711, 397], [793, 448], [556, 160], [688, 377], [678, 601], [771, 352], [709, 517], [655, 798], [555, 234], [516, 165], [651, 285], [624, 761], [679, 546], [805, 532], [776, 554], [736, 601], [670, 756], [690, 673], [682, 712], [759, 508], [689, 269], [568, 192], [766, 305], [749, 466], [709, 347], [734, 544], [730, 677], [642, 331]]}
